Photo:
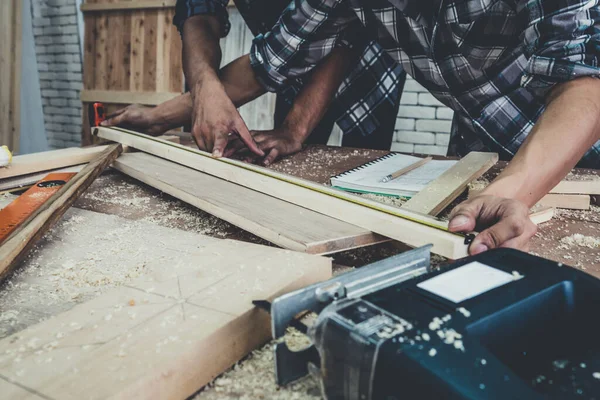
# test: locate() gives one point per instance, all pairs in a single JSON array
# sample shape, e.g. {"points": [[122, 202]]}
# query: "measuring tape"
{"points": [[17, 212], [398, 212]]}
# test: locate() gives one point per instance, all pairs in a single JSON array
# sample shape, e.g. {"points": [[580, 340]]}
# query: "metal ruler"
{"points": [[17, 212]]}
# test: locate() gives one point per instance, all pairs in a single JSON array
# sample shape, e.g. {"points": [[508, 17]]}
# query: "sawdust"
{"points": [[253, 378], [388, 200], [581, 240]]}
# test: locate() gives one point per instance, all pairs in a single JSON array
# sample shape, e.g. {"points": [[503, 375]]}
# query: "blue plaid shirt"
{"points": [[491, 61], [369, 96]]}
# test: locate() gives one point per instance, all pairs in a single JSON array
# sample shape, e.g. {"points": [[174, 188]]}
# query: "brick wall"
{"points": [[58, 55], [423, 124]]}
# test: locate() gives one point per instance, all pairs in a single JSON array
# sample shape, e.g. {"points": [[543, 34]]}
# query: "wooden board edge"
{"points": [[413, 233], [422, 201], [126, 97]]}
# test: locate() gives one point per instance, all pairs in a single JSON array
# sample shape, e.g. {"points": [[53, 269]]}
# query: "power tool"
{"points": [[500, 325]]}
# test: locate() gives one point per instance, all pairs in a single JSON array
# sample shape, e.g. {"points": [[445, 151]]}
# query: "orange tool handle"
{"points": [[96, 114]]}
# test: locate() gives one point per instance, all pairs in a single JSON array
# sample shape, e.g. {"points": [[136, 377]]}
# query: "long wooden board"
{"points": [[14, 249], [36, 162], [570, 201], [185, 319], [279, 222], [10, 73], [578, 187], [442, 191], [370, 215]]}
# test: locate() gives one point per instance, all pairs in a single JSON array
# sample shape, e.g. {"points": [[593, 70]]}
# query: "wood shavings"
{"points": [[581, 240]]}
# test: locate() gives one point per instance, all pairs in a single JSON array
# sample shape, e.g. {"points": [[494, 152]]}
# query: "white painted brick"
{"points": [[412, 86], [427, 99], [54, 127], [417, 112], [58, 102], [428, 149], [41, 49], [74, 67], [68, 29], [63, 20], [38, 31], [415, 137], [57, 3], [74, 103], [72, 48], [442, 139], [56, 143], [403, 147], [67, 10], [52, 30], [60, 135], [41, 22], [75, 77], [409, 98], [444, 113], [74, 129], [57, 67], [405, 124], [434, 126], [50, 93], [72, 94], [43, 67]]}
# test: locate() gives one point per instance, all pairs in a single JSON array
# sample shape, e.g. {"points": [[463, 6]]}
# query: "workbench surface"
{"points": [[572, 237]]}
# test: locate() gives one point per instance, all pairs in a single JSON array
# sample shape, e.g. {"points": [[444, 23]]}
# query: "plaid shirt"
{"points": [[492, 61], [369, 96]]}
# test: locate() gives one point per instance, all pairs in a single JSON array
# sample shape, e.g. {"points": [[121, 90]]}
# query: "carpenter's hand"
{"points": [[138, 118], [215, 120], [274, 143], [501, 222]]}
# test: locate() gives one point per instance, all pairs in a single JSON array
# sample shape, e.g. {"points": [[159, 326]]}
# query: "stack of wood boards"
{"points": [[179, 314], [282, 223]]}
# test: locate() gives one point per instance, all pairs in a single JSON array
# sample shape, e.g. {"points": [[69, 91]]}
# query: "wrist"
{"points": [[298, 132]]}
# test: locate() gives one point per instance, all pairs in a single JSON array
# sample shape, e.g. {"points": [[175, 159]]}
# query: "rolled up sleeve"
{"points": [[306, 32], [562, 42], [185, 9]]}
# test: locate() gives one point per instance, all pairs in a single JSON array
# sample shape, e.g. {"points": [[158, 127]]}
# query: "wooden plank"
{"points": [[164, 334], [442, 191], [15, 248], [126, 97], [570, 201], [279, 222], [578, 187], [36, 162], [544, 214], [150, 52], [24, 181], [127, 5], [10, 72], [370, 215]]}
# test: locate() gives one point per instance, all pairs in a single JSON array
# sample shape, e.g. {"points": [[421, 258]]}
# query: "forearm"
{"points": [[569, 126], [173, 113], [201, 50], [314, 99], [239, 81]]}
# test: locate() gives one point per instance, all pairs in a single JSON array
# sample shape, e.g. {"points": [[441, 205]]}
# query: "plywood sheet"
{"points": [[279, 222], [184, 319]]}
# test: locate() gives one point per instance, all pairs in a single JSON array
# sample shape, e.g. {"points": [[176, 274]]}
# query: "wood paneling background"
{"points": [[132, 48], [10, 72], [129, 50]]}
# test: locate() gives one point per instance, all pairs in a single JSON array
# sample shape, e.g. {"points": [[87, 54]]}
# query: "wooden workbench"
{"points": [[116, 194]]}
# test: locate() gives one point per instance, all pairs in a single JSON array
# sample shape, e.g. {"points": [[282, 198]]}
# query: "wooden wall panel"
{"points": [[133, 46], [129, 49], [10, 72]]}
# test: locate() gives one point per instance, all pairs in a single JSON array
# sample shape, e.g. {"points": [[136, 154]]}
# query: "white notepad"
{"points": [[367, 177]]}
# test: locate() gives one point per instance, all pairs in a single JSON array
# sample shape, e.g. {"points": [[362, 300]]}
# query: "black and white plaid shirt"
{"points": [[492, 61], [369, 96]]}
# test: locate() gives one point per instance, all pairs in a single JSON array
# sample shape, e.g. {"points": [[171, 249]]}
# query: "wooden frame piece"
{"points": [[279, 222], [47, 160], [126, 97], [578, 187], [542, 215], [16, 246], [570, 201], [411, 228], [445, 189]]}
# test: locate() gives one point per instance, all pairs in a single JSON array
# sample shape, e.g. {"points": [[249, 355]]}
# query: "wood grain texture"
{"points": [[578, 187], [570, 201], [370, 215], [47, 160], [279, 222], [24, 181], [163, 334], [16, 246], [447, 187], [132, 54], [10, 73]]}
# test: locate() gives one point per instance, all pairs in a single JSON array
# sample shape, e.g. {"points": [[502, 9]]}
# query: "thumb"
{"points": [[464, 217]]}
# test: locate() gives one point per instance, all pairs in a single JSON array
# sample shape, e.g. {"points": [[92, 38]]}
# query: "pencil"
{"points": [[405, 170]]}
